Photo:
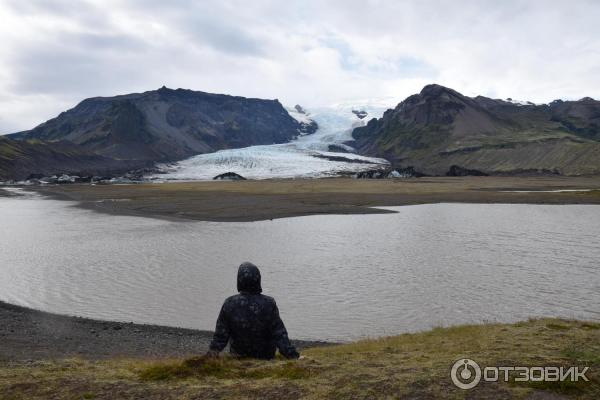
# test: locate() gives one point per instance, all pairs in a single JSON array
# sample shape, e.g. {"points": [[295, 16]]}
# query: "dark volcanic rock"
{"points": [[337, 148], [408, 172], [360, 113], [299, 108], [456, 170], [34, 176], [343, 159], [371, 174], [229, 176], [308, 128]]}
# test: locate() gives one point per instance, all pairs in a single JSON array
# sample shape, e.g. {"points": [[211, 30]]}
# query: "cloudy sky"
{"points": [[54, 53]]}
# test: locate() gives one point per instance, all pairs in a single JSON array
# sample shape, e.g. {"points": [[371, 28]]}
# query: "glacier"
{"points": [[308, 156]]}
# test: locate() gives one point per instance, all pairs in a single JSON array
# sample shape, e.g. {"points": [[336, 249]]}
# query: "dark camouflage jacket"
{"points": [[250, 321]]}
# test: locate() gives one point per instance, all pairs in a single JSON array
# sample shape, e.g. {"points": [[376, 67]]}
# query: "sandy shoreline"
{"points": [[270, 199], [27, 334]]}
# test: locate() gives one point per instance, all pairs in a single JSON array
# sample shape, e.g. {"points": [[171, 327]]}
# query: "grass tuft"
{"points": [[590, 325], [557, 326], [224, 368], [590, 355], [564, 387]]}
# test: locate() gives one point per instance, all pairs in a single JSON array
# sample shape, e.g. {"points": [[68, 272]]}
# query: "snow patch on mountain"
{"points": [[301, 117], [519, 102]]}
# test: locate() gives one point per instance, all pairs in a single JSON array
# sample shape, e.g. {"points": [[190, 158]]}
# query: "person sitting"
{"points": [[250, 321]]}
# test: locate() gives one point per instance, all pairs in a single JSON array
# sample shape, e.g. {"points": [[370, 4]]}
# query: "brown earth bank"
{"points": [[269, 199], [28, 335]]}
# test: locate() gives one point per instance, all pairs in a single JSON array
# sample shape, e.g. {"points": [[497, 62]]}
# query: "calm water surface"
{"points": [[334, 277]]}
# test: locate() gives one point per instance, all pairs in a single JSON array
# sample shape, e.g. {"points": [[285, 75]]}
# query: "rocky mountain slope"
{"points": [[440, 128], [21, 159], [168, 125]]}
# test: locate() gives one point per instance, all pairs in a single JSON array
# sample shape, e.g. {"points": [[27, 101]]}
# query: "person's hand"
{"points": [[212, 354]]}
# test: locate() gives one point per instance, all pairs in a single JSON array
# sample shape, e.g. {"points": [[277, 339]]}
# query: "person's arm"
{"points": [[281, 336], [222, 334]]}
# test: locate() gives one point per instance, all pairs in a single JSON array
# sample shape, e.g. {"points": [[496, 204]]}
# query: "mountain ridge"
{"points": [[438, 131], [439, 128], [168, 124]]}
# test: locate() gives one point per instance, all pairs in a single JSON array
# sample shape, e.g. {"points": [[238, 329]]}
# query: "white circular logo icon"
{"points": [[465, 373]]}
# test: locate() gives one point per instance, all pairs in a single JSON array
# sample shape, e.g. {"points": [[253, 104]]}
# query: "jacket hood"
{"points": [[248, 279]]}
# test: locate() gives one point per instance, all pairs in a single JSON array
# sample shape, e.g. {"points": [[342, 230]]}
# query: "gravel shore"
{"points": [[27, 334]]}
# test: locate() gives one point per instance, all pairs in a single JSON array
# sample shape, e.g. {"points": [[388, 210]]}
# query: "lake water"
{"points": [[334, 277]]}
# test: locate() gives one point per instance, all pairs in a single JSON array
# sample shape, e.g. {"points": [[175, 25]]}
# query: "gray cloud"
{"points": [[221, 35], [86, 12], [71, 62], [56, 53]]}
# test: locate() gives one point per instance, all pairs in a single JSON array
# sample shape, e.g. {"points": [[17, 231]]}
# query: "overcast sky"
{"points": [[53, 54]]}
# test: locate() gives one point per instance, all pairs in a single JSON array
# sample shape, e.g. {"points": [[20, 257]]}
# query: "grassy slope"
{"points": [[502, 152], [566, 156], [25, 154], [19, 159], [407, 366], [8, 151]]}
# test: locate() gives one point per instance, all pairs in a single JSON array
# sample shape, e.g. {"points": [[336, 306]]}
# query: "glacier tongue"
{"points": [[306, 157]]}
